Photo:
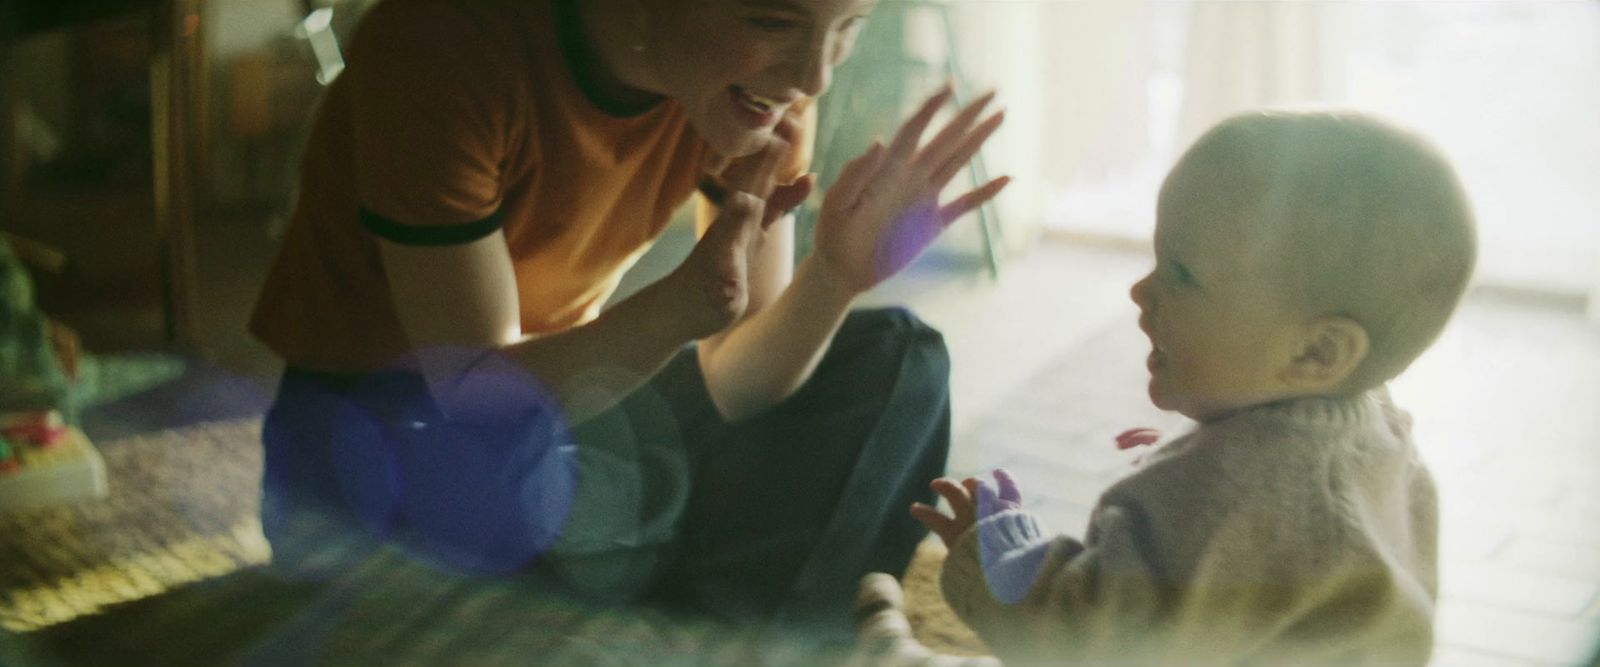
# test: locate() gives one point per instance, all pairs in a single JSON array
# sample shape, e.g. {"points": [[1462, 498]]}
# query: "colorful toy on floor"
{"points": [[44, 461], [41, 428]]}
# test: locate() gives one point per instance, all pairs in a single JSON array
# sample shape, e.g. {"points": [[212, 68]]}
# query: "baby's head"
{"points": [[1300, 254]]}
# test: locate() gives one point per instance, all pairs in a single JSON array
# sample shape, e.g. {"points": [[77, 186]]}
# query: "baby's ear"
{"points": [[1329, 351]]}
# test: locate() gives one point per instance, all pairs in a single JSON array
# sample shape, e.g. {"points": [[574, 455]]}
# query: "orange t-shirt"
{"points": [[450, 112]]}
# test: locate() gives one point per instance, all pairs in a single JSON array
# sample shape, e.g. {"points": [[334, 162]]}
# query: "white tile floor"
{"points": [[1506, 408]]}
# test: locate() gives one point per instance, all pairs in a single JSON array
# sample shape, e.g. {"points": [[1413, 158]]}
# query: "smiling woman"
{"points": [[734, 66], [478, 179]]}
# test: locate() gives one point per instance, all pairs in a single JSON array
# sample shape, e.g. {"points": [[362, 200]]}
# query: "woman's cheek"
{"points": [[727, 55]]}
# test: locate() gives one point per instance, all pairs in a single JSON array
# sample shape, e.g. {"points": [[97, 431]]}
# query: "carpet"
{"points": [[176, 548], [181, 509], [932, 621], [166, 568]]}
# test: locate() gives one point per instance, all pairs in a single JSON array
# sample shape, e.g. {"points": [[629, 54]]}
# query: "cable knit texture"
{"points": [[1013, 546], [1303, 532]]}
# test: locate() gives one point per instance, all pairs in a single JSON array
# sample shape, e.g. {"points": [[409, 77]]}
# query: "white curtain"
{"points": [[1103, 94], [1074, 79], [1594, 302], [1244, 55]]}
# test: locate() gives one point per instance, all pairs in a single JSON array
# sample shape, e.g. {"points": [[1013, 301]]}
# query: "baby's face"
{"points": [[1221, 328]]}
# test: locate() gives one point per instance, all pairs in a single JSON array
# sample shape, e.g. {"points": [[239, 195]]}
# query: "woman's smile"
{"points": [[757, 112]]}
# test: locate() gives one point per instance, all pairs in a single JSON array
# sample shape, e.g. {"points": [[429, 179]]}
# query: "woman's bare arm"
{"points": [[464, 296]]}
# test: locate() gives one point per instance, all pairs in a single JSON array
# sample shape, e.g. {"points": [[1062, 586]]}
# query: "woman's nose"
{"points": [[812, 73]]}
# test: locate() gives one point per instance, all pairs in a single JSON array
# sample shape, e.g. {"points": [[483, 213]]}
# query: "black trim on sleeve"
{"points": [[430, 235], [713, 191]]}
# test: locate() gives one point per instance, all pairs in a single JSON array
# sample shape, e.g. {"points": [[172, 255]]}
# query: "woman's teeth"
{"points": [[757, 103]]}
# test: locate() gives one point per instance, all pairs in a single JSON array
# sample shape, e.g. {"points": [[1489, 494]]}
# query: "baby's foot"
{"points": [[884, 632]]}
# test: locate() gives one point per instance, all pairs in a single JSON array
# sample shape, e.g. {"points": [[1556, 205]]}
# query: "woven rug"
{"points": [[182, 509], [932, 621], [164, 568], [183, 505]]}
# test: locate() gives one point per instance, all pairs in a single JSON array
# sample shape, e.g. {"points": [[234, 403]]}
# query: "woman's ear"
{"points": [[1329, 351]]}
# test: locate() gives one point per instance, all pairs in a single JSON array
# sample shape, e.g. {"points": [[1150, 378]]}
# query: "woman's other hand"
{"points": [[759, 173], [712, 285], [884, 208]]}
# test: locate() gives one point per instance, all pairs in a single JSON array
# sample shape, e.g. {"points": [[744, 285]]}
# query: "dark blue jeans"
{"points": [[772, 518]]}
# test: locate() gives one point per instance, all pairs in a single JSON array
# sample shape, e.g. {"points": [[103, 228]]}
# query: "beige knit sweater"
{"points": [[1298, 533]]}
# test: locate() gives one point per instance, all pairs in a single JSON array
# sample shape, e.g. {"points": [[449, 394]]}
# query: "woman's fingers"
{"points": [[960, 154], [765, 177], [789, 128], [944, 144], [732, 231], [755, 173], [905, 141], [965, 203], [786, 197], [855, 176]]}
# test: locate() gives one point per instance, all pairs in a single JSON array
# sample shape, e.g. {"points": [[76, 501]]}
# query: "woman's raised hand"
{"points": [[883, 210]]}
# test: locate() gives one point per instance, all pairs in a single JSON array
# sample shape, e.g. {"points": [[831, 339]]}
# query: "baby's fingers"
{"points": [[959, 497], [941, 525], [929, 515]]}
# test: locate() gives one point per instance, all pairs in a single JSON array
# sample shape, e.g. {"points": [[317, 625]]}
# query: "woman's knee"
{"points": [[896, 341]]}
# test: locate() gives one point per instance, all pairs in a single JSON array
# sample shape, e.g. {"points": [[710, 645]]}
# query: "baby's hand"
{"points": [[960, 496], [971, 500]]}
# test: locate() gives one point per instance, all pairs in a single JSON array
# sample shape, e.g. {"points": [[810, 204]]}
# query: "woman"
{"points": [[479, 178]]}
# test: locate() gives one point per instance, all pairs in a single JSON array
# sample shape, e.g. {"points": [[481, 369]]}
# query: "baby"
{"points": [[1303, 259]]}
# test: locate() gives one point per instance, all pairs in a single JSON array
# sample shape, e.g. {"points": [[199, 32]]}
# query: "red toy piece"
{"points": [[41, 428]]}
